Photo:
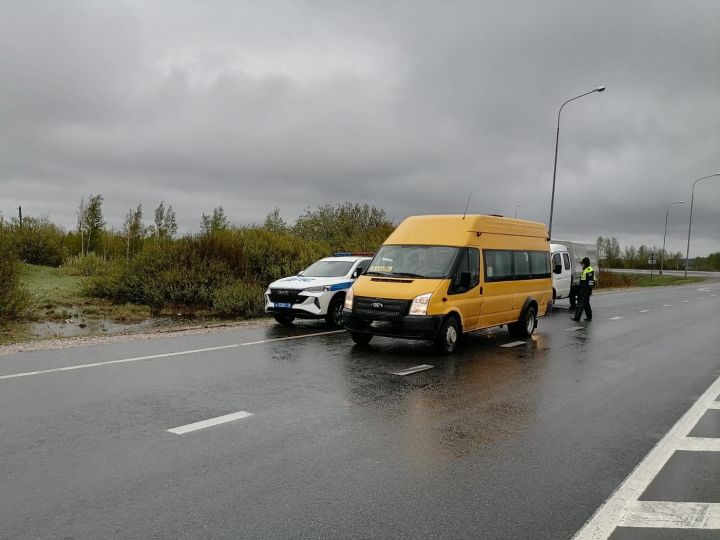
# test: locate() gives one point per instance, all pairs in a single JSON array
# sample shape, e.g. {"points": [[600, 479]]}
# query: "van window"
{"points": [[430, 262], [498, 265], [522, 264], [539, 264], [566, 259], [469, 262], [557, 260], [507, 265]]}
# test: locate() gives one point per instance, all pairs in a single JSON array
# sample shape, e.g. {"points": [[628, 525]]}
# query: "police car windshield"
{"points": [[328, 269], [430, 262]]}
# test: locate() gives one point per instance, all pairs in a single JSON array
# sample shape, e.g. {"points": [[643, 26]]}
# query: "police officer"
{"points": [[587, 282]]}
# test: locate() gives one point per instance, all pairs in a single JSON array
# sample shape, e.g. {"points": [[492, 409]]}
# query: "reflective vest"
{"points": [[587, 279]]}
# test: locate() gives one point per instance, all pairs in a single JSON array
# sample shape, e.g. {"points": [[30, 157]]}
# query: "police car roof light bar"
{"points": [[353, 254]]}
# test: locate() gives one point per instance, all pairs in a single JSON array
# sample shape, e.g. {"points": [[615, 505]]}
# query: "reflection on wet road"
{"points": [[492, 442]]}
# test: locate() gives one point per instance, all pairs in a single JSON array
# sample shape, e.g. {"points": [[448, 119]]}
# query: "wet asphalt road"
{"points": [[492, 442]]}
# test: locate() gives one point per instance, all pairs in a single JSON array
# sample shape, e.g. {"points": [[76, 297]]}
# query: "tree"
{"points": [[274, 222], [218, 221], [91, 222], [134, 230], [344, 226], [165, 222], [630, 255]]}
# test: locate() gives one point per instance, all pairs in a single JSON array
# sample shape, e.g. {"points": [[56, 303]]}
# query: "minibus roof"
{"points": [[456, 230]]}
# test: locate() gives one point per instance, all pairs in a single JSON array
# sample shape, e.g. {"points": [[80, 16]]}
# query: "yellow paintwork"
{"points": [[488, 304]]}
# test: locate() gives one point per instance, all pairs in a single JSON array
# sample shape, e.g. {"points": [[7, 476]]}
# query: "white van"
{"points": [[561, 271]]}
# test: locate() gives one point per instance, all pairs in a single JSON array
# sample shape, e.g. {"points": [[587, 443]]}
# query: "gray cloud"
{"points": [[407, 105]]}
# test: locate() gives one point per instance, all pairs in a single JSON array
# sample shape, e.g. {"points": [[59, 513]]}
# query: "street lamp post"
{"points": [[662, 255], [557, 140], [692, 198]]}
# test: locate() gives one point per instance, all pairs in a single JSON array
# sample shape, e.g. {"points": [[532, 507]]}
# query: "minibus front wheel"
{"points": [[449, 335], [361, 340]]}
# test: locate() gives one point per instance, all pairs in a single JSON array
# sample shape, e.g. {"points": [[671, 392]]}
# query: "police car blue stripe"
{"points": [[341, 286]]}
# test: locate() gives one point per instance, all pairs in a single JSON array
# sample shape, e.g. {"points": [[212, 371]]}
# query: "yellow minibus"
{"points": [[438, 277]]}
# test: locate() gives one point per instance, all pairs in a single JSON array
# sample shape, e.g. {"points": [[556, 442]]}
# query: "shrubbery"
{"points": [[37, 242], [238, 299], [86, 265], [14, 298]]}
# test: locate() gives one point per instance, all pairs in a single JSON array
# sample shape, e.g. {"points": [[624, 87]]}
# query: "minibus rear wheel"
{"points": [[449, 336]]}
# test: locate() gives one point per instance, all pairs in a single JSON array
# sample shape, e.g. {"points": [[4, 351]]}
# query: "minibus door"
{"points": [[465, 291]]}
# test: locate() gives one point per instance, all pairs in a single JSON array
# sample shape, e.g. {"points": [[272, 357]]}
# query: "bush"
{"points": [[37, 242], [86, 265], [14, 298], [239, 300]]}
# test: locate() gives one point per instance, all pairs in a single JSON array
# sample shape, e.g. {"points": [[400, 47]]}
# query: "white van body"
{"points": [[561, 271], [576, 251]]}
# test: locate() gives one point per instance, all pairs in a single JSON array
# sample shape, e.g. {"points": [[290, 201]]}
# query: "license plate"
{"points": [[283, 305]]}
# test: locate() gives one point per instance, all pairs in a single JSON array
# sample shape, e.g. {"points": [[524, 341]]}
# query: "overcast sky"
{"points": [[406, 105]]}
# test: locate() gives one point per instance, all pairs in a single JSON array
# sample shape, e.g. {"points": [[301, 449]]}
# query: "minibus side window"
{"points": [[522, 264], [469, 262], [498, 265], [566, 259], [540, 264]]}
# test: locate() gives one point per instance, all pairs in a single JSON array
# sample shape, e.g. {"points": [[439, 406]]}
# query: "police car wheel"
{"points": [[285, 320], [334, 317]]}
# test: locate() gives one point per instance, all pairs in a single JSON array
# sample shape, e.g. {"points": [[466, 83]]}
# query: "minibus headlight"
{"points": [[420, 304], [349, 300]]}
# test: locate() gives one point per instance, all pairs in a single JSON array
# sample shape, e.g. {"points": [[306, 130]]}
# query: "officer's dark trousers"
{"points": [[583, 305]]}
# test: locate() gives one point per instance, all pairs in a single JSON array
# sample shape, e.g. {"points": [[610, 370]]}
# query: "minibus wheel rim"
{"points": [[530, 321], [451, 335]]}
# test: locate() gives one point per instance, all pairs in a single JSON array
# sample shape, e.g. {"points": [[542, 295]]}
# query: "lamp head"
{"points": [[600, 89]]}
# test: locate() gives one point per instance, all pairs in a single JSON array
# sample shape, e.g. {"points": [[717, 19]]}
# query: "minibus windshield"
{"points": [[429, 262]]}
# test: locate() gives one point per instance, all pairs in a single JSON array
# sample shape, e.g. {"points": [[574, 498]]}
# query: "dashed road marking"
{"points": [[412, 370], [667, 305], [701, 298], [643, 311], [182, 430], [684, 301], [623, 507], [575, 328], [673, 515], [155, 356], [615, 318], [513, 344], [714, 405]]}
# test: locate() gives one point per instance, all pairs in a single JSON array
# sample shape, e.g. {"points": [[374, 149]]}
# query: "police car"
{"points": [[318, 292]]}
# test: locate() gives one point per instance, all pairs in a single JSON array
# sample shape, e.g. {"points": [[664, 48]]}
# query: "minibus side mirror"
{"points": [[465, 278], [558, 269]]}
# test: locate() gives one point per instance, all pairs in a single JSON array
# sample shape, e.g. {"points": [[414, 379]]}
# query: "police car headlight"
{"points": [[349, 299], [319, 288], [420, 304]]}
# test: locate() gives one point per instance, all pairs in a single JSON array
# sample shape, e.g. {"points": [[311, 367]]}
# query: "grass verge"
{"points": [[615, 280]]}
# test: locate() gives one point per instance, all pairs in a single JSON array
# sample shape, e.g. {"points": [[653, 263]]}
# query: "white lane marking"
{"points": [[607, 517], [713, 295], [701, 298], [643, 311], [672, 515], [667, 305], [614, 318], [699, 444], [110, 362], [714, 405], [210, 422], [154, 356], [704, 289], [411, 370], [684, 301], [290, 337], [514, 344], [575, 328]]}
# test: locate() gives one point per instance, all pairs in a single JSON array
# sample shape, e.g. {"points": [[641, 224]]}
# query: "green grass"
{"points": [[56, 295], [613, 280]]}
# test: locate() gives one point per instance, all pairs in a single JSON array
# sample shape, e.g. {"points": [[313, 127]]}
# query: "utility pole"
{"points": [[20, 215]]}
